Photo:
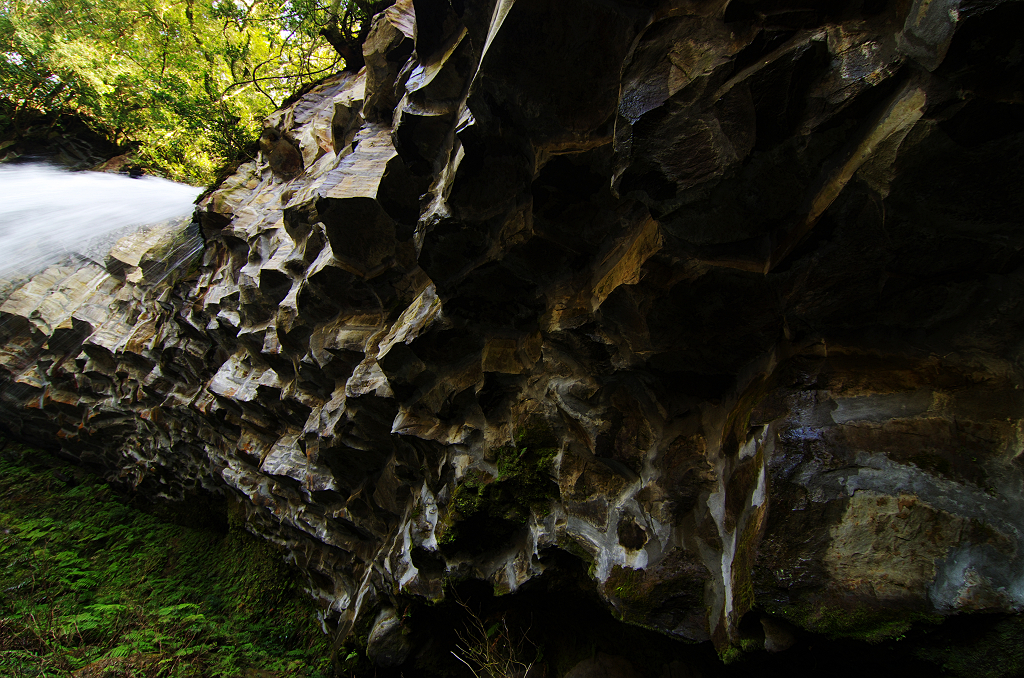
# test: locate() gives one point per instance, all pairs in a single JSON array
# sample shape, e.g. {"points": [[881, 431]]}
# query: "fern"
{"points": [[86, 578], [182, 609]]}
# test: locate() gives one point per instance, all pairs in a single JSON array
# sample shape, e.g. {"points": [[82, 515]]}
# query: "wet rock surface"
{"points": [[725, 299]]}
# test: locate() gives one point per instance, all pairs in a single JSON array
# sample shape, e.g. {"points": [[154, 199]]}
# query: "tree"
{"points": [[344, 25], [184, 83]]}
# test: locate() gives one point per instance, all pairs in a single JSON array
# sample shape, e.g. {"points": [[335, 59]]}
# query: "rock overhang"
{"points": [[748, 283]]}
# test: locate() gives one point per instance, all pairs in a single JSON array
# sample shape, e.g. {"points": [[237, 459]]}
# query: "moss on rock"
{"points": [[483, 511], [856, 621]]}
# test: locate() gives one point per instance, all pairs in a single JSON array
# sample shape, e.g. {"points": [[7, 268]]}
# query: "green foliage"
{"points": [[344, 23], [89, 579], [184, 82]]}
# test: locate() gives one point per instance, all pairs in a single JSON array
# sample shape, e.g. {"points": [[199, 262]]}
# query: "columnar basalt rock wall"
{"points": [[725, 298]]}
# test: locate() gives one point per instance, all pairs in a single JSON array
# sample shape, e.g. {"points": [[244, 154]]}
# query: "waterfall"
{"points": [[48, 213]]}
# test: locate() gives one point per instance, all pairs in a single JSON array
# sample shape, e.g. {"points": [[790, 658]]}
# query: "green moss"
{"points": [[114, 582], [743, 564], [751, 644], [857, 622], [731, 655], [642, 594], [527, 473], [466, 501], [636, 593], [737, 424], [743, 594], [483, 512], [468, 496], [627, 584]]}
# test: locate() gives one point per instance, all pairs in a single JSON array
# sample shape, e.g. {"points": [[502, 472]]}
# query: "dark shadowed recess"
{"points": [[565, 622]]}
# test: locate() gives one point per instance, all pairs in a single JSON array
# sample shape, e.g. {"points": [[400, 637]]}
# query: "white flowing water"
{"points": [[48, 213]]}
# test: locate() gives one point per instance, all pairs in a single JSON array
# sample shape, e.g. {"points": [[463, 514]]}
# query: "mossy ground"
{"points": [[89, 580]]}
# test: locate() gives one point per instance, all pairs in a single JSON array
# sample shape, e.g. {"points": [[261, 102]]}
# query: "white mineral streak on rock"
{"points": [[723, 571], [761, 491], [426, 535], [406, 570], [501, 9]]}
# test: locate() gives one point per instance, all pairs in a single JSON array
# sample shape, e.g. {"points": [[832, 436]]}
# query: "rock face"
{"points": [[725, 298]]}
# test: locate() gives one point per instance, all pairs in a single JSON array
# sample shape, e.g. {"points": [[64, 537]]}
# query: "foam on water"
{"points": [[48, 213]]}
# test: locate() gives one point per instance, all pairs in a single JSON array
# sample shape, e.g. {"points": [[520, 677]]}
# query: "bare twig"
{"points": [[497, 652]]}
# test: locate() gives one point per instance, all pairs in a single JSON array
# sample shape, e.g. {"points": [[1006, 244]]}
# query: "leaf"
{"points": [[189, 651], [188, 610], [107, 608], [182, 85], [494, 629]]}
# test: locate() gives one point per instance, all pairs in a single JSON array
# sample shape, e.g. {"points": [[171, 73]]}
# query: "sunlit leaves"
{"points": [[182, 81]]}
